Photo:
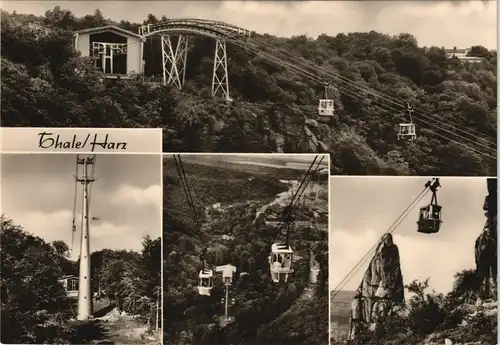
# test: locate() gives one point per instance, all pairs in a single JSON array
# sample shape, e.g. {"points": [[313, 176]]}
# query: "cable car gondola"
{"points": [[280, 259], [205, 282], [429, 221], [280, 262], [407, 130], [227, 273], [326, 106]]}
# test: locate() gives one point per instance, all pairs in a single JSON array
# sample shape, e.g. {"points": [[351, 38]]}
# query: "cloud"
{"points": [[109, 235], [128, 194], [38, 193], [51, 226], [439, 23]]}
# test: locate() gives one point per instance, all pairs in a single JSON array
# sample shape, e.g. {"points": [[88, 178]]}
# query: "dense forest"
{"points": [[46, 83], [261, 312], [35, 308]]}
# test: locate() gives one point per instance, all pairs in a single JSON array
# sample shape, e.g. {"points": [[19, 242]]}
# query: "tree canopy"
{"points": [[35, 307], [263, 312], [46, 83]]}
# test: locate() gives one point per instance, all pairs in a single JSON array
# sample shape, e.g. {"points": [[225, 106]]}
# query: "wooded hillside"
{"points": [[263, 312], [45, 83]]}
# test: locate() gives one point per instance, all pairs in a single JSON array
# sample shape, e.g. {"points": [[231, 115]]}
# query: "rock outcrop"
{"points": [[486, 245], [380, 291]]}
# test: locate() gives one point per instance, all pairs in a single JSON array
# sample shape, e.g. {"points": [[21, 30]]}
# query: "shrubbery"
{"points": [[431, 317]]}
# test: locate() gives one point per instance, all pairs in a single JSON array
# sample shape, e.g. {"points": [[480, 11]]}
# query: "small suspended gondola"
{"points": [[280, 259], [408, 130], [326, 106], [429, 221], [280, 262], [206, 282]]}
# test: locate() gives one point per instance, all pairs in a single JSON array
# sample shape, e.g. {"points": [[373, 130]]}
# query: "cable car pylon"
{"points": [[84, 284]]}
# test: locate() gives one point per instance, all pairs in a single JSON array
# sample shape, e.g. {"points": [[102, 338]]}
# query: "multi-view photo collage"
{"points": [[248, 172]]}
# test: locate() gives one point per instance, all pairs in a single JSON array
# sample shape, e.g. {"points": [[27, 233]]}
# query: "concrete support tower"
{"points": [[84, 286]]}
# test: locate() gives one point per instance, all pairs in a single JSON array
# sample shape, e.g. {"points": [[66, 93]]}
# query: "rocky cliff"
{"points": [[485, 248], [465, 316], [380, 291]]}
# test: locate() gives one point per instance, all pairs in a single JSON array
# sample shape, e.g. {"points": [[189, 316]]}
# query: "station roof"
{"points": [[111, 28]]}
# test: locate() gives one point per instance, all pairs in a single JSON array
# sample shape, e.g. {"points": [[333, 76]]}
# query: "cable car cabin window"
{"points": [[205, 282], [407, 130], [430, 219], [72, 285], [326, 107], [287, 262], [276, 258]]}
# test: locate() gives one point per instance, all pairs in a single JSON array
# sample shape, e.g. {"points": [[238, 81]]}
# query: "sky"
{"points": [[433, 22], [363, 208], [38, 193]]}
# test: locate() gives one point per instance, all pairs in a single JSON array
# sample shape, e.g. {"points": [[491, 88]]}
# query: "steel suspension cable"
{"points": [[189, 192], [290, 205], [186, 192], [314, 77], [365, 88], [391, 229]]}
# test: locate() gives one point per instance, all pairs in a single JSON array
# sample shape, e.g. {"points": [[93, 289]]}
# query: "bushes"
{"points": [[34, 305], [432, 317]]}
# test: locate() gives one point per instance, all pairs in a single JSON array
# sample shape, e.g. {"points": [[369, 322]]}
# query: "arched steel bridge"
{"points": [[174, 56]]}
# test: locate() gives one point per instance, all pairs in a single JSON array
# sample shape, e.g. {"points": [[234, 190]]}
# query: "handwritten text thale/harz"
{"points": [[50, 140]]}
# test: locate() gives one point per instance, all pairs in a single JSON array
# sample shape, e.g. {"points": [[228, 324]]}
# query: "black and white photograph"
{"points": [[384, 87], [81, 249], [245, 249], [413, 260]]}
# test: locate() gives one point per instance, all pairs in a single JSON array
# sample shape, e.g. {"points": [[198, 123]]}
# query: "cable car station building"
{"points": [[70, 284], [118, 53]]}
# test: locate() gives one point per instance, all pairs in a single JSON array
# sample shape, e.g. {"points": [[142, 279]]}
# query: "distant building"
{"points": [[456, 53], [471, 59], [461, 54], [116, 52], [70, 284], [37, 28]]}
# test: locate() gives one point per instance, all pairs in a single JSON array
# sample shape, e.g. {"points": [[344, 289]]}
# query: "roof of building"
{"points": [[36, 23], [471, 58], [113, 28], [69, 276], [451, 50]]}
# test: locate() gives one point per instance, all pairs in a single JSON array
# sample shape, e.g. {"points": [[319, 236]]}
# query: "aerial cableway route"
{"points": [[174, 57], [429, 222], [281, 253], [281, 257]]}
